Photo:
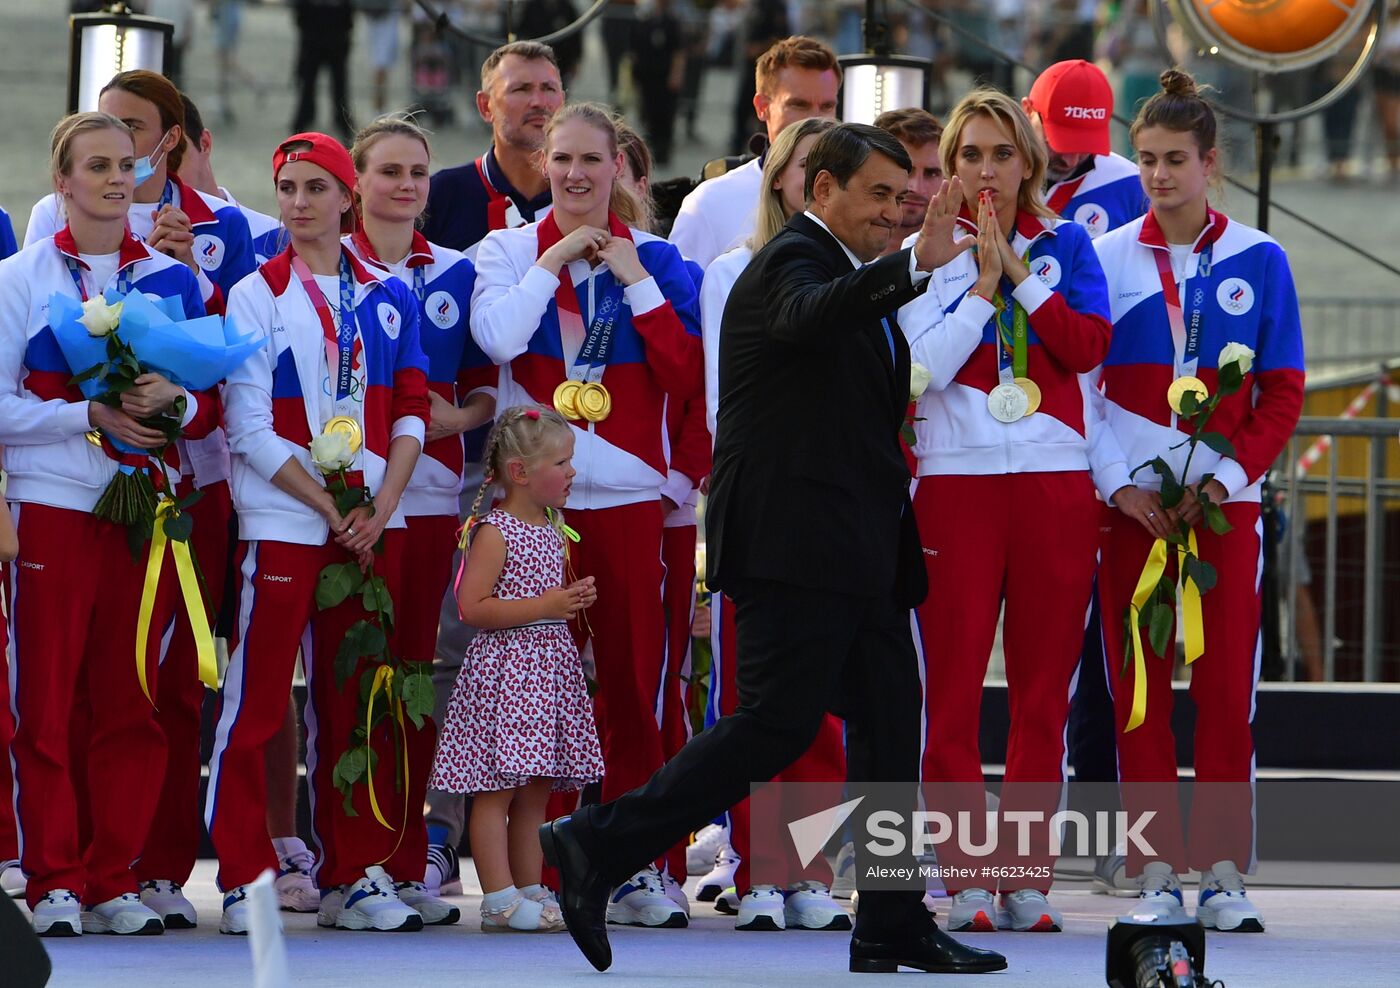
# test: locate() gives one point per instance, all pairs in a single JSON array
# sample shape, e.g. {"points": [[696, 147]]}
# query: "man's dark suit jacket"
{"points": [[809, 486]]}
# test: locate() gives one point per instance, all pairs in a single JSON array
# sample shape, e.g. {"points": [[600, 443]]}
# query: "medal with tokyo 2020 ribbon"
{"points": [[566, 400]]}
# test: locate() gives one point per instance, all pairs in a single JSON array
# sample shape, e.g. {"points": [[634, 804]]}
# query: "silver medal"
{"points": [[1008, 403]]}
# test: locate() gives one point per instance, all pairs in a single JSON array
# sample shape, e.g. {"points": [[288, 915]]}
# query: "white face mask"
{"points": [[145, 167]]}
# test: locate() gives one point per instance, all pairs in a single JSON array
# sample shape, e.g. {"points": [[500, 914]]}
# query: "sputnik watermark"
{"points": [[931, 828]]}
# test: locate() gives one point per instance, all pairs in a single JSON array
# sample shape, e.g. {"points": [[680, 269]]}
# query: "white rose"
{"points": [[98, 317], [331, 452], [1237, 353], [919, 378]]}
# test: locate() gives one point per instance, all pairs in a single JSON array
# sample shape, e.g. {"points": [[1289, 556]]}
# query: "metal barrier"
{"points": [[1350, 330], [1378, 490]]}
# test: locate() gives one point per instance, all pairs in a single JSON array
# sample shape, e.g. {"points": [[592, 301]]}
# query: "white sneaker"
{"points": [[843, 872], [296, 892], [442, 876], [58, 914], [810, 906], [720, 876], [234, 920], [642, 901], [1111, 877], [12, 880], [434, 911], [372, 904], [1159, 894], [167, 900], [761, 909], [124, 915], [675, 892], [329, 909], [701, 852], [727, 902], [972, 911], [1222, 903], [1028, 911]]}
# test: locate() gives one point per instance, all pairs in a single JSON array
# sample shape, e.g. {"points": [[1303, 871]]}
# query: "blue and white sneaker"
{"points": [[235, 918], [724, 865], [675, 892], [1111, 877], [1223, 905], [810, 906], [642, 901], [58, 914], [761, 910], [1159, 894], [373, 904], [167, 900], [435, 911], [123, 916]]}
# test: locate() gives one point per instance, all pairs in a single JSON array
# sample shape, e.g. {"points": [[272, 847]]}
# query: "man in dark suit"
{"points": [[810, 531]]}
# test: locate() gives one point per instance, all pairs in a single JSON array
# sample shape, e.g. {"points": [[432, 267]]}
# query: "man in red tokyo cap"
{"points": [[1071, 108]]}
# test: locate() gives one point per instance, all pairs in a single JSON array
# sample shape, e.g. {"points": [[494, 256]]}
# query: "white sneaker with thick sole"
{"points": [[972, 911], [642, 901], [443, 875], [296, 892], [434, 911], [720, 876], [372, 904], [167, 900], [1028, 911], [123, 916], [12, 880], [1223, 904], [1159, 894], [700, 854], [810, 906], [675, 892], [843, 871], [761, 910], [58, 914]]}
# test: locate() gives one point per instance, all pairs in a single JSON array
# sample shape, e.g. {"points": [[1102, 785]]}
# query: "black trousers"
{"points": [[313, 54], [1093, 738], [800, 653]]}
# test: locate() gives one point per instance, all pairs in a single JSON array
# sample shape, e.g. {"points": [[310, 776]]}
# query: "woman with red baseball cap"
{"points": [[343, 356]]}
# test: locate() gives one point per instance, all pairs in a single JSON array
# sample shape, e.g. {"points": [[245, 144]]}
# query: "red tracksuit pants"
{"points": [[824, 761], [678, 593], [173, 841], [74, 599], [1028, 540], [276, 604], [429, 543], [9, 840], [1223, 682]]}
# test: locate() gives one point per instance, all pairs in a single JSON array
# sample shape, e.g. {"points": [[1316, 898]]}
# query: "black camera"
{"points": [[1144, 952]]}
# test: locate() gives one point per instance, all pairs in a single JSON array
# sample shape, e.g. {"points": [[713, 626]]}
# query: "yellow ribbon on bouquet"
{"points": [[189, 590], [1192, 625], [383, 677]]}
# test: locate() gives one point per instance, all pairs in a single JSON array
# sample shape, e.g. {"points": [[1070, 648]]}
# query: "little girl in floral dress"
{"points": [[520, 722]]}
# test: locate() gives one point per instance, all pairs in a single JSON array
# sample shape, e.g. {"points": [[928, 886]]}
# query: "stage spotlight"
{"points": [[1272, 35], [111, 41], [1144, 952], [880, 80]]}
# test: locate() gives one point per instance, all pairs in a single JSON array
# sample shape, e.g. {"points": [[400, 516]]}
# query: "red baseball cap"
{"points": [[325, 151], [1075, 103]]}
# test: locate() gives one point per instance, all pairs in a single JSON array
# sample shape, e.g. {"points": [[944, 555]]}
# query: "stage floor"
{"points": [[1342, 938]]}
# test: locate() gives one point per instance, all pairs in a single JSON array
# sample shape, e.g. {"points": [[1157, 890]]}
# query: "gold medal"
{"points": [[1032, 391], [347, 427], [594, 402], [566, 400], [94, 437], [1180, 386]]}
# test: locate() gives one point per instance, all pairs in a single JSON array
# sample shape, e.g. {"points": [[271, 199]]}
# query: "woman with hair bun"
{"points": [[1192, 289], [588, 313]]}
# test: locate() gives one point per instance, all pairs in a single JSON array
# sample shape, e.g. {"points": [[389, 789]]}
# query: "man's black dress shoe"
{"points": [[583, 891], [934, 951]]}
